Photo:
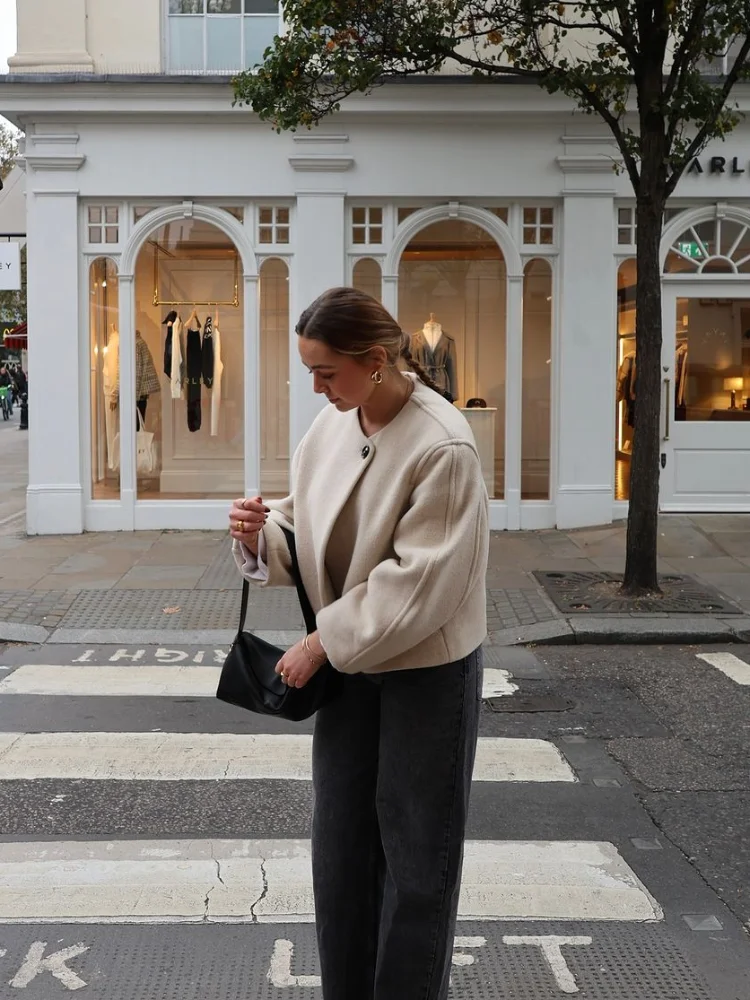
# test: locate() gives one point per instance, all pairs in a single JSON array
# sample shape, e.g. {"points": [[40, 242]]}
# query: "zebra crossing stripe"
{"points": [[159, 680], [730, 665], [238, 881], [231, 756]]}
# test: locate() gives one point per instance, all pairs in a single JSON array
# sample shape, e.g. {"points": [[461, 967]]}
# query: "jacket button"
{"points": [[365, 451]]}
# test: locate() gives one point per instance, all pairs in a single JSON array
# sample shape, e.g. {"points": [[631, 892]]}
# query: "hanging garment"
{"points": [[680, 380], [439, 363], [216, 386], [146, 376], [110, 379], [207, 354], [174, 367], [168, 322], [193, 371]]}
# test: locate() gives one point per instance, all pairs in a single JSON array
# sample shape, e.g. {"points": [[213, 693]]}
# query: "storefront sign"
{"points": [[10, 267], [733, 166]]}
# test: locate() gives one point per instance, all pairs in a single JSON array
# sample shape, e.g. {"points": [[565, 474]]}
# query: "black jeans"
{"points": [[392, 765]]}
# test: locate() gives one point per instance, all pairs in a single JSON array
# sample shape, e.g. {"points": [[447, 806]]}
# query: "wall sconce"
{"points": [[734, 385]]}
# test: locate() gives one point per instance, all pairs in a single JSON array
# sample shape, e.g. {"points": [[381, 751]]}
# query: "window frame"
{"points": [[167, 17]]}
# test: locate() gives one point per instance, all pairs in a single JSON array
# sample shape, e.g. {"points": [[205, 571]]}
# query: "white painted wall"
{"points": [[124, 37], [97, 36]]}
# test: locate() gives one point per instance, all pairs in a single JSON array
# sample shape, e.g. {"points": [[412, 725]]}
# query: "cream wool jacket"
{"points": [[414, 592]]}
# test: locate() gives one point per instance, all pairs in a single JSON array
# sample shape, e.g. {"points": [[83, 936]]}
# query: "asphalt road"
{"points": [[153, 842]]}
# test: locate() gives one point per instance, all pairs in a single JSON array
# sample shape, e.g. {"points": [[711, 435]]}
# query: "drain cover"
{"points": [[599, 593], [530, 703]]}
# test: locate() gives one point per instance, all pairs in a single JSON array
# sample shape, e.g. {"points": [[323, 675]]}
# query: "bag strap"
{"points": [[307, 612]]}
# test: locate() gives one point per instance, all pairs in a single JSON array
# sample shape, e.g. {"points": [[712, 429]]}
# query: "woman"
{"points": [[389, 511]]}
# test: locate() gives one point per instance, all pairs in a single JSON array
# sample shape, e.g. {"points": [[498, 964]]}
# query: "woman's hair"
{"points": [[352, 322]]}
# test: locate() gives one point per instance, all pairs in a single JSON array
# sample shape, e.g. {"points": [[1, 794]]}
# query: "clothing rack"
{"points": [[235, 302]]}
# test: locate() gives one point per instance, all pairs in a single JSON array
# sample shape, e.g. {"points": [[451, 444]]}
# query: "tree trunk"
{"points": [[642, 535]]}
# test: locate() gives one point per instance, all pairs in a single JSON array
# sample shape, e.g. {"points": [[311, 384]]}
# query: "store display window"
{"points": [[625, 377], [274, 378], [452, 300], [712, 359], [188, 407], [537, 387], [104, 369]]}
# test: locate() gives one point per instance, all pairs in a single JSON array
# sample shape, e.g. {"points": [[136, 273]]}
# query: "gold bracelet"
{"points": [[317, 661]]}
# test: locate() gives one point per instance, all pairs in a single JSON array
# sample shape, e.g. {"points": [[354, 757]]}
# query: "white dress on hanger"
{"points": [[175, 378], [216, 385]]}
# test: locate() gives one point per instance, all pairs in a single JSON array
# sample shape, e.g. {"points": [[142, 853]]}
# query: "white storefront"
{"points": [[492, 210]]}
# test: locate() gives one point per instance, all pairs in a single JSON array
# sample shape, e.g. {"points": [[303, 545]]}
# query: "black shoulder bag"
{"points": [[249, 679]]}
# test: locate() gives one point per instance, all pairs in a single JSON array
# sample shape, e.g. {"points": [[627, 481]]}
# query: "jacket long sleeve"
{"points": [[451, 370], [275, 567], [439, 543]]}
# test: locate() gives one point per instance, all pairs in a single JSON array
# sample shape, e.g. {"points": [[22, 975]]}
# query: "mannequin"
{"points": [[435, 351], [432, 331], [110, 382]]}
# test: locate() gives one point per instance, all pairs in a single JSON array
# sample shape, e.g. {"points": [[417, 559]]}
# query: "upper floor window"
{"points": [[220, 36], [722, 63]]}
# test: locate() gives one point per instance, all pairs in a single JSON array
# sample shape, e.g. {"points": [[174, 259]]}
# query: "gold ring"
{"points": [[238, 526]]}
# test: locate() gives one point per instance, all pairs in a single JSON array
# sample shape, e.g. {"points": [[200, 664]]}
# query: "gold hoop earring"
{"points": [[377, 377]]}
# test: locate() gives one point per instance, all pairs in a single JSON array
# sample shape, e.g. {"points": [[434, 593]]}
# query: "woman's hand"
{"points": [[246, 520], [299, 664]]}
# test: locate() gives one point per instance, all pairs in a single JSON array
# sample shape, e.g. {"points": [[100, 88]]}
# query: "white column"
{"points": [[586, 456], [252, 385], [514, 399], [319, 263], [51, 37], [126, 409], [54, 496]]}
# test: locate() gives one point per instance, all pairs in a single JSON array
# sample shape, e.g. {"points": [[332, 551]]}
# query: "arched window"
{"points": [[536, 381], [274, 377], [715, 246], [189, 363], [452, 294], [367, 277], [104, 368]]}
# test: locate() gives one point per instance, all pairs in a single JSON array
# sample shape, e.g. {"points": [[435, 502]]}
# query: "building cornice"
{"points": [[316, 164]]}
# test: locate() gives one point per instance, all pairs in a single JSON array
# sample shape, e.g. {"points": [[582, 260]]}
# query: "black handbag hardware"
{"points": [[249, 679]]}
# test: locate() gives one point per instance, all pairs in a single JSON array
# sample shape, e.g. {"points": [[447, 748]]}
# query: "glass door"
{"points": [[706, 398]]}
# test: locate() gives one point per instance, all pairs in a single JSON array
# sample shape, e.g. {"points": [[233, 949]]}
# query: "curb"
{"points": [[619, 630], [13, 632], [599, 631]]}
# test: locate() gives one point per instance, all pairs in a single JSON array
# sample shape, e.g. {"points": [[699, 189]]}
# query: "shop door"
{"points": [[705, 389]]}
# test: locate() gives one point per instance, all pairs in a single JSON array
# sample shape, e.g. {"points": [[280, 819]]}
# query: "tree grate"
{"points": [[598, 593]]}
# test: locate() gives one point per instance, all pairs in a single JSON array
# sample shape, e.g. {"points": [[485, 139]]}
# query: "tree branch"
{"points": [[704, 133]]}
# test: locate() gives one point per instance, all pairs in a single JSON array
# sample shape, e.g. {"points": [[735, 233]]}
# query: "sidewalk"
{"points": [[182, 586]]}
